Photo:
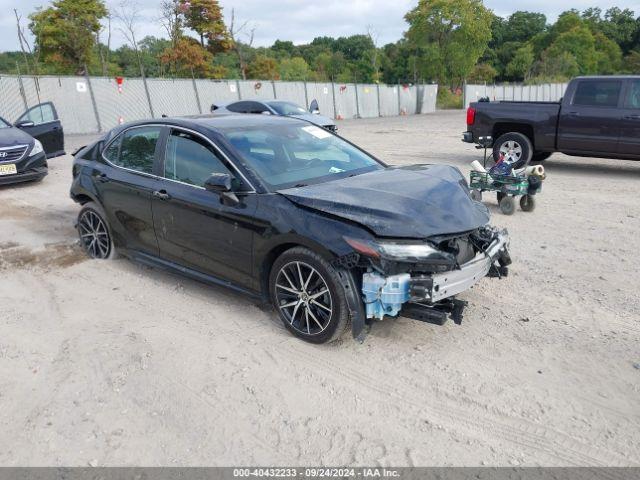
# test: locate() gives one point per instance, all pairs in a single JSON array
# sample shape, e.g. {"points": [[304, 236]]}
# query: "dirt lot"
{"points": [[112, 363]]}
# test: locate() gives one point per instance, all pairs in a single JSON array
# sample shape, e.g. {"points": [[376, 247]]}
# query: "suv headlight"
{"points": [[401, 251], [37, 148]]}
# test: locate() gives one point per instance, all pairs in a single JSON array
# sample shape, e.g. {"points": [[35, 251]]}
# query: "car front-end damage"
{"points": [[407, 259], [421, 279]]}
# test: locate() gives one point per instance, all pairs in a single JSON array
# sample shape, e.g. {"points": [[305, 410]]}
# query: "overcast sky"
{"points": [[302, 20]]}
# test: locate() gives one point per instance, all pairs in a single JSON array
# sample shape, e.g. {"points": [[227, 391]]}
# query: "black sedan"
{"points": [[286, 211], [25, 146]]}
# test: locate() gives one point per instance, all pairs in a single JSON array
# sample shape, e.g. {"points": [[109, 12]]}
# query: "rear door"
{"points": [[194, 227], [42, 123], [629, 143], [125, 184], [589, 122]]}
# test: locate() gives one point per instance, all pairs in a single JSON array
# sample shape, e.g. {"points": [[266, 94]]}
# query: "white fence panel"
{"points": [[116, 106], [548, 92], [323, 93], [11, 103]]}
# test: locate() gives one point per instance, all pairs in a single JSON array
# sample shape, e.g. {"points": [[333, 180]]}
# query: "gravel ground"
{"points": [[113, 363]]}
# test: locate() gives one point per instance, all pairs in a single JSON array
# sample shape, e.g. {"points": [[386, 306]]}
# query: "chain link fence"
{"points": [[96, 104]]}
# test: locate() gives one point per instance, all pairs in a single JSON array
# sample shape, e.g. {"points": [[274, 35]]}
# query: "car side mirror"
{"points": [[222, 184], [24, 124], [314, 107]]}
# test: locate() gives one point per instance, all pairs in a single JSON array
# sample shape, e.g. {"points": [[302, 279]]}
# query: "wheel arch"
{"points": [[274, 251], [525, 129]]}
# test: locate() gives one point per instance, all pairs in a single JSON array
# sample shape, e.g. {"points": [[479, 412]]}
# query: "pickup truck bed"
{"points": [[598, 116]]}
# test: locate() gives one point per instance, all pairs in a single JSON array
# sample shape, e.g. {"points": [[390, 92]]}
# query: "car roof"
{"points": [[220, 122]]}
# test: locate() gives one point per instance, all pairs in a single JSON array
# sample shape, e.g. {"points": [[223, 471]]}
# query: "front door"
{"points": [[125, 184], [590, 121], [629, 143], [194, 227], [42, 123]]}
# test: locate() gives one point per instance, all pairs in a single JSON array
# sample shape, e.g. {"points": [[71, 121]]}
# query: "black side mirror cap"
{"points": [[218, 183], [222, 184], [314, 107]]}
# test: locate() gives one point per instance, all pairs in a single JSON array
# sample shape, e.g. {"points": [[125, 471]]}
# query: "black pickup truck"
{"points": [[597, 117]]}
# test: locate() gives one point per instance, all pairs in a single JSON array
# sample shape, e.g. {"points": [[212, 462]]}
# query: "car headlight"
{"points": [[37, 148], [401, 251]]}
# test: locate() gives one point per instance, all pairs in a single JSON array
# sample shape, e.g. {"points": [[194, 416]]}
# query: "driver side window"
{"points": [[190, 159]]}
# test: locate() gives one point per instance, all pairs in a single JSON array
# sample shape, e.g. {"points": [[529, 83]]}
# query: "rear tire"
{"points": [[507, 205], [306, 292], [94, 232], [527, 203], [516, 148]]}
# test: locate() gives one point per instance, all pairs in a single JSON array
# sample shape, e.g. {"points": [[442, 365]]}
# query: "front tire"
{"points": [[94, 232], [516, 149], [306, 292]]}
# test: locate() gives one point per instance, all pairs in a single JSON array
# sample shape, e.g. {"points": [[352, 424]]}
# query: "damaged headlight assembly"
{"points": [[416, 252], [418, 280]]}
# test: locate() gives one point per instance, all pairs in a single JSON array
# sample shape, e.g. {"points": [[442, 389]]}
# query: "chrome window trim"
{"points": [[16, 160], [220, 152], [117, 137], [253, 190]]}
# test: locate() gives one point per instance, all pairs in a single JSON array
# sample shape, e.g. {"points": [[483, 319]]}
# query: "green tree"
{"points": [[65, 33], [520, 65], [293, 69], [205, 18], [453, 33], [263, 68]]}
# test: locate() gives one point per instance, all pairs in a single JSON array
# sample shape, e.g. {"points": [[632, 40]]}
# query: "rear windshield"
{"points": [[285, 156]]}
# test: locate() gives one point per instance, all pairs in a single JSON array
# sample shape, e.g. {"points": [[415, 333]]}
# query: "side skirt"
{"points": [[156, 262]]}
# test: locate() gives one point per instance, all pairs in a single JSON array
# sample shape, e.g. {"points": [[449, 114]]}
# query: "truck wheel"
{"points": [[527, 203], [540, 156], [507, 205], [515, 148], [476, 195]]}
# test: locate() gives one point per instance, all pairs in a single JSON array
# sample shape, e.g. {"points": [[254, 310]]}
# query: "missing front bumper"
{"points": [[430, 297]]}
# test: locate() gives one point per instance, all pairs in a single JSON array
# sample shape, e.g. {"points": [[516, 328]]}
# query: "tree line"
{"points": [[447, 41]]}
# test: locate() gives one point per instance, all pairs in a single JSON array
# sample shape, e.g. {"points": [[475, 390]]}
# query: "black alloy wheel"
{"points": [[304, 298], [94, 234]]}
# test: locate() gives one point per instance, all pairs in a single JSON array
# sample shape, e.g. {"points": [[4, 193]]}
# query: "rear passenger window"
{"points": [[134, 149], [597, 93]]}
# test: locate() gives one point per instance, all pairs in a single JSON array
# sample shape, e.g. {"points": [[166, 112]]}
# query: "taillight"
{"points": [[471, 115]]}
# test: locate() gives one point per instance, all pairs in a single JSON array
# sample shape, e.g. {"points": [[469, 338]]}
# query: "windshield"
{"points": [[4, 123], [287, 108], [285, 156]]}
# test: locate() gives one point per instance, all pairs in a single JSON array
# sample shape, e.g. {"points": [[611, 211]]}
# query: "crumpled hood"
{"points": [[10, 137], [417, 201]]}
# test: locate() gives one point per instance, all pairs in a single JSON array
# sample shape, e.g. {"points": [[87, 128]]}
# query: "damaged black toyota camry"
{"points": [[284, 210]]}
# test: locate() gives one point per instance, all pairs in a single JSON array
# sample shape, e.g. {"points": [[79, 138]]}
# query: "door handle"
{"points": [[102, 177], [161, 194], [632, 117], [574, 114]]}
